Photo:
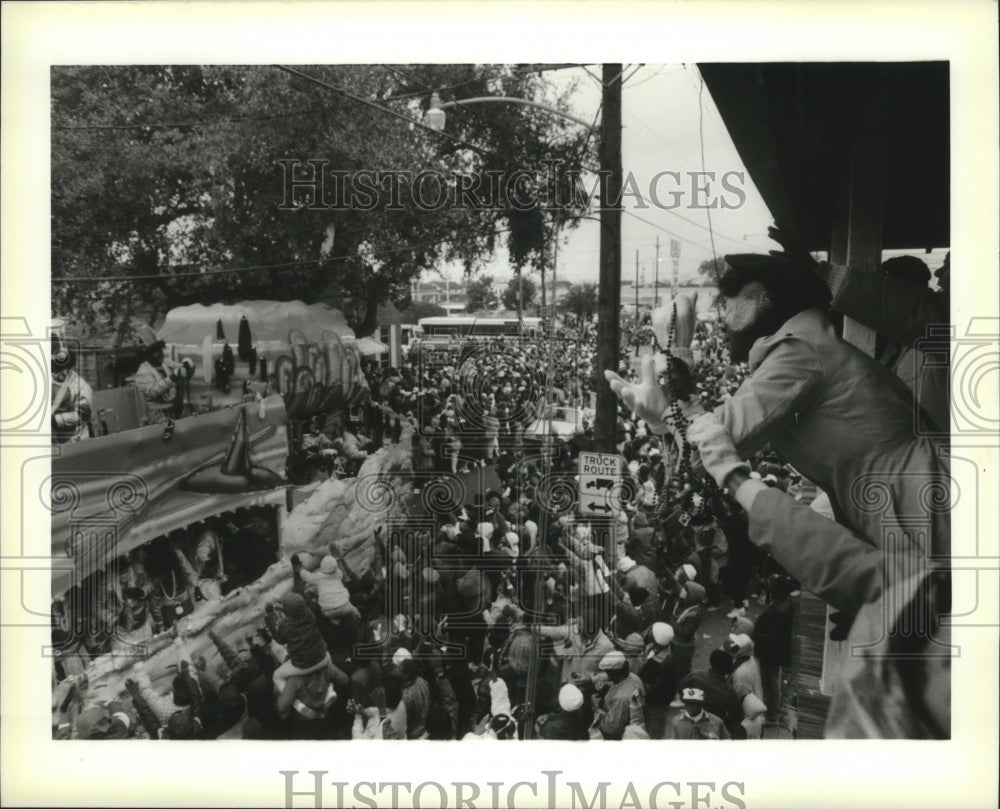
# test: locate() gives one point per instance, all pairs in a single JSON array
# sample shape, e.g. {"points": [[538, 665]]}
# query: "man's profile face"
{"points": [[746, 307]]}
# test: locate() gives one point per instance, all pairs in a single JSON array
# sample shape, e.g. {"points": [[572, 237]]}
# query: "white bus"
{"points": [[466, 327]]}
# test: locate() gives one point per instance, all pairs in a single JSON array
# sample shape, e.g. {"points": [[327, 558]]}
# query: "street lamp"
{"points": [[435, 116]]}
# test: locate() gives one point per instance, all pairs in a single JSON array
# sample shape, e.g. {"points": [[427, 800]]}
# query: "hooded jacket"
{"points": [[330, 587]]}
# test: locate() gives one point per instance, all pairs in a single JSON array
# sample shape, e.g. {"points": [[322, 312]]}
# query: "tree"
{"points": [[420, 309], [528, 290], [580, 300], [161, 174], [481, 294]]}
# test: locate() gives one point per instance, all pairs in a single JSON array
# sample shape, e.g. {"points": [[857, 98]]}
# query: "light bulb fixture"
{"points": [[435, 117]]}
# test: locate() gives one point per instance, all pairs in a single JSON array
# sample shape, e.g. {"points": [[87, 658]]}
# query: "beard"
{"points": [[759, 318], [740, 343]]}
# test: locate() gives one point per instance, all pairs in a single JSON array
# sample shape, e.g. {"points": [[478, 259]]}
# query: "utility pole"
{"points": [[520, 302], [609, 290], [656, 290], [637, 302]]}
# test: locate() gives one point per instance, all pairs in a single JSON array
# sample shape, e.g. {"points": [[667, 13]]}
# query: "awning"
{"points": [[369, 345], [794, 125]]}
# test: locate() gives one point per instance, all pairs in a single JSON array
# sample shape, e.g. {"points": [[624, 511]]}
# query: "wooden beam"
{"points": [[856, 241]]}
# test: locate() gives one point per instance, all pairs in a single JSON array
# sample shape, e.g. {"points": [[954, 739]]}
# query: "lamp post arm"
{"points": [[510, 100]]}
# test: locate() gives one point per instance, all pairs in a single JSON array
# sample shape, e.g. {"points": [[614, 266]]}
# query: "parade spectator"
{"points": [[623, 688], [694, 722], [772, 638], [721, 697], [72, 397], [333, 596], [659, 675], [156, 379], [746, 669]]}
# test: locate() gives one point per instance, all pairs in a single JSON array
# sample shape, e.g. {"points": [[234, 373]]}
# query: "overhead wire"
{"points": [[708, 211]]}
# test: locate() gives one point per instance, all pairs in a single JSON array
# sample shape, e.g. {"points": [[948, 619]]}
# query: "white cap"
{"points": [[401, 654], [690, 571], [570, 697], [663, 633], [612, 661], [625, 564]]}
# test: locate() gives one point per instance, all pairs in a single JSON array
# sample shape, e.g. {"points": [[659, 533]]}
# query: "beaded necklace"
{"points": [[684, 489]]}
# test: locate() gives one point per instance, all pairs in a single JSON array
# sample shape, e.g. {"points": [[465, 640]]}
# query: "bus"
{"points": [[465, 327]]}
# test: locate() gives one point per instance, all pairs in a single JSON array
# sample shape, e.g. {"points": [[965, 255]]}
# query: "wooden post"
{"points": [[856, 241], [610, 287]]}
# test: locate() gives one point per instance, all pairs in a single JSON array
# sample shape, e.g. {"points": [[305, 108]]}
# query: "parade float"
{"points": [[172, 528]]}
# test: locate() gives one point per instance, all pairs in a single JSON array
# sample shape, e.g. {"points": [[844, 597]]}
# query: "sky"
{"points": [[661, 131]]}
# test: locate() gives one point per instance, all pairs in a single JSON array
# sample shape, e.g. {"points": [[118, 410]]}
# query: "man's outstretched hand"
{"points": [[644, 396]]}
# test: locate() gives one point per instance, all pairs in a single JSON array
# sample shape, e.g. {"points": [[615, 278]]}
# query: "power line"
{"points": [[665, 230], [401, 117], [708, 211], [446, 88], [234, 270]]}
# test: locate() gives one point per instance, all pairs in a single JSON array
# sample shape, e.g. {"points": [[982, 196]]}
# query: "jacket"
{"points": [[829, 560], [155, 385], [616, 706], [417, 699], [298, 632], [843, 421], [330, 588], [706, 726], [772, 637], [721, 698], [746, 678], [688, 616], [580, 656]]}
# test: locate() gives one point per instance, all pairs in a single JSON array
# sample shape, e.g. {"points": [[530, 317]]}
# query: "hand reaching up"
{"points": [[644, 396]]}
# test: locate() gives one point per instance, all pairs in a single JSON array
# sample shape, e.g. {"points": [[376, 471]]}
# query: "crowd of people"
{"points": [[509, 618], [514, 616]]}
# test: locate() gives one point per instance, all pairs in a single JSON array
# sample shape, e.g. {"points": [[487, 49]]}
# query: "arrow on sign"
{"points": [[595, 507], [599, 483]]}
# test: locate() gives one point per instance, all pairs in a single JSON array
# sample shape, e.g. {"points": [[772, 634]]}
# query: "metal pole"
{"points": [[520, 303], [656, 289], [637, 302]]}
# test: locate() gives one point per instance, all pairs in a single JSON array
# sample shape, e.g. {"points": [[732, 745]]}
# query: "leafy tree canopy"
{"points": [[520, 285], [580, 300], [171, 171], [481, 294]]}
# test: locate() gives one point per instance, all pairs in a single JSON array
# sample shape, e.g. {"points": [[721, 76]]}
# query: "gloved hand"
{"points": [[645, 397], [69, 419], [715, 448]]}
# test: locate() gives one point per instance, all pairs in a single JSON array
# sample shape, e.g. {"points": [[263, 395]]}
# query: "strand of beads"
{"points": [[687, 488]]}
